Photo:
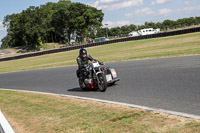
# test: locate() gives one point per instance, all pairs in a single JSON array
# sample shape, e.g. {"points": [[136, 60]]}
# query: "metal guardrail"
{"points": [[164, 34], [4, 125], [1, 129]]}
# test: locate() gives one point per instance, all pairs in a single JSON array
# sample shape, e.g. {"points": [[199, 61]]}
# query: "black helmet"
{"points": [[83, 53]]}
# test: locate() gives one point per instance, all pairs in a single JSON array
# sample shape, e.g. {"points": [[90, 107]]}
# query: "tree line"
{"points": [[64, 21], [52, 22], [164, 26]]}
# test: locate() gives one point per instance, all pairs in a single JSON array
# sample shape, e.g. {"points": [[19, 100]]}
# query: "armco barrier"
{"points": [[164, 34], [4, 125]]}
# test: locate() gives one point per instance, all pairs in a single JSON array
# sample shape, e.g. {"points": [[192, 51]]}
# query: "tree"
{"points": [[158, 25], [87, 19], [132, 27], [101, 32], [124, 30], [116, 31], [197, 20], [52, 22]]}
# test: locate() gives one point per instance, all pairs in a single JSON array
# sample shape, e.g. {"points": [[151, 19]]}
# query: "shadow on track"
{"points": [[78, 89]]}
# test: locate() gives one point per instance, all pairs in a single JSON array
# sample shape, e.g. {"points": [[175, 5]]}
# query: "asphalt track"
{"points": [[165, 83]]}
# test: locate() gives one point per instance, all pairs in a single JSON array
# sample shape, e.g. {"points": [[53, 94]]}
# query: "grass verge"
{"points": [[33, 113], [188, 44], [43, 113]]}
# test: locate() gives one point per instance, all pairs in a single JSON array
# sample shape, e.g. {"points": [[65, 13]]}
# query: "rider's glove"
{"points": [[101, 63]]}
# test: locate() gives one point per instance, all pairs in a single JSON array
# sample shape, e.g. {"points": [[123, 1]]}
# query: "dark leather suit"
{"points": [[82, 65]]}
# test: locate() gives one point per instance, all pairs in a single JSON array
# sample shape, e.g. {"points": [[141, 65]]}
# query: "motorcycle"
{"points": [[99, 77]]}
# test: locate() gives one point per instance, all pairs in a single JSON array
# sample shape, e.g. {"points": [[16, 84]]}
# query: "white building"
{"points": [[142, 32], [134, 33]]}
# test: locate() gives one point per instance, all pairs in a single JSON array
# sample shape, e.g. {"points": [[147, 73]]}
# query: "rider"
{"points": [[82, 61]]}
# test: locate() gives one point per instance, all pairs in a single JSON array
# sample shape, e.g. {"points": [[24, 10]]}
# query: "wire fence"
{"points": [[164, 34]]}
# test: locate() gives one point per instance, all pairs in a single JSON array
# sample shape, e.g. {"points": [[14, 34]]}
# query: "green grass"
{"points": [[33, 113], [188, 44], [44, 113]]}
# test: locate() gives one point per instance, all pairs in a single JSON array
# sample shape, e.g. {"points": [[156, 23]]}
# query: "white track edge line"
{"points": [[186, 115]]}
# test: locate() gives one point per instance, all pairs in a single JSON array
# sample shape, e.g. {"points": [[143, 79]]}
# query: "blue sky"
{"points": [[117, 12]]}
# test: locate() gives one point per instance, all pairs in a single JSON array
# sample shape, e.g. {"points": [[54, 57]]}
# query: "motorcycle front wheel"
{"points": [[102, 82]]}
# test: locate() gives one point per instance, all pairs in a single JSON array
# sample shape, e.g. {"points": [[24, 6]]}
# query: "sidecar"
{"points": [[111, 76]]}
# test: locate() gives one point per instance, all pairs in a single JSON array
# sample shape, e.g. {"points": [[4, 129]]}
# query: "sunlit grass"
{"points": [[188, 44], [36, 113]]}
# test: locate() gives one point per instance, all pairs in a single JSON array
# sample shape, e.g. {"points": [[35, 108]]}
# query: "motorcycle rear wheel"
{"points": [[82, 85]]}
